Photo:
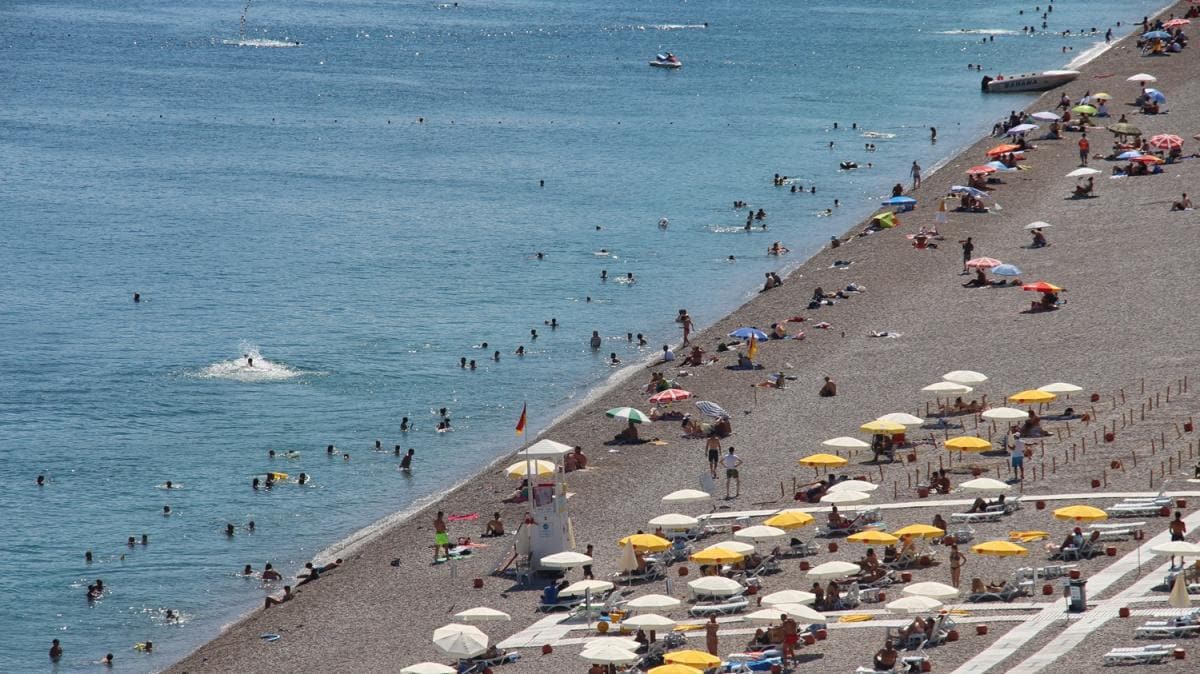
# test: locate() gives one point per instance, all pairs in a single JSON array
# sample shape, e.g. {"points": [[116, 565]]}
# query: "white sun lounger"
{"points": [[734, 605], [1133, 509], [1144, 655], [974, 518], [1166, 628], [905, 663]]}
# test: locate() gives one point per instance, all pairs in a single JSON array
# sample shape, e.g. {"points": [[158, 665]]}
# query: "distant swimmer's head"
{"points": [[228, 529], [166, 510], [247, 570], [732, 258], [137, 297], [255, 484], [270, 453], [87, 556], [250, 525], [329, 449], [345, 457], [41, 480], [541, 255], [169, 485]]}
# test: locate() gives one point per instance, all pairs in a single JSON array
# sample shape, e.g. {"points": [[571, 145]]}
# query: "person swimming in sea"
{"points": [[520, 350], [406, 462], [229, 530], [303, 478], [329, 450], [403, 426], [496, 356], [166, 511], [41, 480]]}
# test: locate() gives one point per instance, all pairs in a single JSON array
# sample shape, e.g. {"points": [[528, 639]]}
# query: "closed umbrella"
{"points": [[653, 601], [789, 597], [1032, 396], [985, 484], [564, 560], [482, 614], [968, 443], [842, 497], [1179, 593], [845, 442], [607, 654], [634, 415], [648, 621], [833, 570], [965, 377], [686, 496], [674, 521], [915, 604], [789, 519], [460, 641], [930, 589], [760, 532], [1004, 414], [711, 409], [854, 485], [671, 395], [428, 668]]}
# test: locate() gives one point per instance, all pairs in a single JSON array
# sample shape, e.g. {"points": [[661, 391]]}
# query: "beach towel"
{"points": [[689, 627], [856, 618], [463, 518], [1028, 536]]}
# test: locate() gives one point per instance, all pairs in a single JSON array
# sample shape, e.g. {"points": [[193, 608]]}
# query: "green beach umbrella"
{"points": [[1084, 110], [1124, 129], [629, 413]]}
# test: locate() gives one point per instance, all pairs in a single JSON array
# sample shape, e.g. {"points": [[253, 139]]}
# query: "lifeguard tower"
{"points": [[547, 526]]}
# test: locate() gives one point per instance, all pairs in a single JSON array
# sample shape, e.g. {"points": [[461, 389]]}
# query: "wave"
{"points": [[976, 31], [878, 134], [250, 368], [660, 26], [264, 42]]}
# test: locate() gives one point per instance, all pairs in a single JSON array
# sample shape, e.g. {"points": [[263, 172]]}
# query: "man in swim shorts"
{"points": [[441, 538], [732, 462]]}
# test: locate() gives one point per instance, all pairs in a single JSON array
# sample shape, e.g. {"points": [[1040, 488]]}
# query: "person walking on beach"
{"points": [[1084, 146], [968, 248], [1017, 457], [713, 446], [441, 538], [957, 559], [686, 321], [732, 462], [587, 568], [710, 635], [790, 637], [1177, 528], [916, 175]]}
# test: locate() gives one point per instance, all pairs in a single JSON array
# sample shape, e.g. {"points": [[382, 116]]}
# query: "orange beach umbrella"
{"points": [[1003, 149], [1041, 287]]}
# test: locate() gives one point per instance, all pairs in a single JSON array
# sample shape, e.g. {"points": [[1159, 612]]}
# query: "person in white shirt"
{"points": [[732, 462], [668, 354], [1017, 457]]}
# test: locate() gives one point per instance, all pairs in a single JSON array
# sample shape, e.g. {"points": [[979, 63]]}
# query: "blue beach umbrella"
{"points": [[1006, 270], [1156, 35], [1156, 95], [747, 333], [900, 201], [1132, 154], [969, 191]]}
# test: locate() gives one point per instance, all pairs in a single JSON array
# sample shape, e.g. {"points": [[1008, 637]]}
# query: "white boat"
{"points": [[1036, 82], [667, 60]]}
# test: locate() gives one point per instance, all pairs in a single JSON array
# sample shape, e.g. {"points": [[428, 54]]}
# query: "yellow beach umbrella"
{"points": [[882, 427], [692, 658], [999, 549], [919, 531], [873, 537], [823, 461], [646, 542], [674, 668], [968, 443], [1032, 396], [717, 555], [1080, 513], [522, 469], [789, 519]]}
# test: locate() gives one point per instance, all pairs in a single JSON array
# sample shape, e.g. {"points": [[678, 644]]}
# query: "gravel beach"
{"points": [[1125, 334]]}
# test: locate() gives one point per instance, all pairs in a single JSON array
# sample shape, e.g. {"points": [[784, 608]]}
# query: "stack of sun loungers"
{"points": [[1117, 530], [1140, 507], [1177, 626], [1143, 655]]}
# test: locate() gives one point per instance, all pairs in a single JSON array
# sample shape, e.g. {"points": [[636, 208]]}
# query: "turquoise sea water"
{"points": [[287, 203]]}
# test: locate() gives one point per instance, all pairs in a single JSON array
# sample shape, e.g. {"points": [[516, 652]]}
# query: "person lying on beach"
{"points": [[1184, 204], [494, 528], [272, 601], [661, 412], [311, 573], [981, 505], [696, 358], [979, 587]]}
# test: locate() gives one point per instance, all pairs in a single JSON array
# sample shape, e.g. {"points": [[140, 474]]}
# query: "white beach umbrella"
{"points": [[674, 521], [1022, 129], [796, 611], [833, 570], [544, 449], [947, 388], [648, 621], [759, 532], [628, 643], [965, 377], [902, 418], [1081, 172], [481, 614], [1046, 116], [1177, 549], [719, 586], [854, 485], [789, 597], [1038, 224], [930, 589], [839, 497], [608, 654], [429, 668], [582, 586], [1004, 414], [985, 484], [460, 641], [1060, 387], [740, 547], [914, 604], [846, 442], [687, 496], [653, 601], [1141, 77], [564, 560]]}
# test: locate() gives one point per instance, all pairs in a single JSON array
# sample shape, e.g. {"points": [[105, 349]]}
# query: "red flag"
{"points": [[521, 421]]}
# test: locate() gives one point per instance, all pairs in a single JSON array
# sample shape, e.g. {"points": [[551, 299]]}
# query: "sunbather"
{"points": [[495, 527], [629, 435], [916, 628], [885, 658], [981, 505], [939, 522]]}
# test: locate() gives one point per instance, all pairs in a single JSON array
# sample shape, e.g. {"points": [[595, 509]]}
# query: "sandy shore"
{"points": [[1125, 333]]}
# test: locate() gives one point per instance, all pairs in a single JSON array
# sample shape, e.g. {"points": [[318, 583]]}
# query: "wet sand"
{"points": [[1125, 333]]}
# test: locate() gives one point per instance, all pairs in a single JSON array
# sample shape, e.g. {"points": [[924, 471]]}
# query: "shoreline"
{"points": [[392, 524]]}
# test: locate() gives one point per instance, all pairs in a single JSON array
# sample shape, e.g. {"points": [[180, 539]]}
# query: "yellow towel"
{"points": [[658, 443], [1028, 536], [687, 628], [856, 618]]}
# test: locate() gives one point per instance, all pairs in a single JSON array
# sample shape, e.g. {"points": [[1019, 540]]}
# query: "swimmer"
{"points": [[249, 361], [663, 223], [540, 255], [520, 350], [166, 511], [629, 278], [533, 333], [483, 345], [496, 356], [613, 360], [378, 445], [270, 454], [603, 274], [250, 526], [41, 480], [462, 363], [229, 530], [471, 365], [270, 481], [304, 476], [269, 573], [107, 661], [169, 485], [137, 297], [406, 462], [329, 450], [292, 454], [629, 336], [87, 556], [56, 651], [248, 570], [171, 616], [346, 457], [595, 341], [588, 299], [404, 425], [641, 340], [732, 258], [255, 484], [145, 539], [836, 203], [553, 323]]}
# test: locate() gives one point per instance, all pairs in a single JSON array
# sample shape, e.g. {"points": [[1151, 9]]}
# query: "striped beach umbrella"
{"points": [[670, 395]]}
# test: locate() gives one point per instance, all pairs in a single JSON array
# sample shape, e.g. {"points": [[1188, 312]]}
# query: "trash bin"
{"points": [[1077, 595]]}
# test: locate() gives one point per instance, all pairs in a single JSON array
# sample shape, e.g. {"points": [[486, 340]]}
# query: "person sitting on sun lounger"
{"points": [[836, 521], [981, 505], [978, 586]]}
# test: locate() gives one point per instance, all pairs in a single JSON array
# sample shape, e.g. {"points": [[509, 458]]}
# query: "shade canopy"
{"points": [[1081, 172], [674, 521], [460, 641], [999, 549], [930, 589], [761, 532], [653, 601], [846, 442], [716, 586], [873, 537], [1004, 414], [564, 560], [687, 496], [1141, 77], [734, 546], [646, 542], [1038, 224], [628, 413], [789, 519], [965, 377], [795, 611], [1032, 396], [1177, 549], [1080, 513], [534, 467], [671, 395], [919, 531], [544, 449], [585, 586], [914, 604], [789, 597], [968, 443], [481, 614], [948, 388], [985, 484], [833, 570], [648, 621], [607, 654], [882, 427]]}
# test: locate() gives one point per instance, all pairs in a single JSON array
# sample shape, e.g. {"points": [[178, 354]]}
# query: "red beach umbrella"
{"points": [[670, 395], [984, 263], [1175, 23], [1147, 159], [1003, 149], [1041, 287], [1166, 141], [980, 170]]}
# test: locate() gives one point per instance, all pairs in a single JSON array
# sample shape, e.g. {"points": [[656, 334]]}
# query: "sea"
{"points": [[357, 194]]}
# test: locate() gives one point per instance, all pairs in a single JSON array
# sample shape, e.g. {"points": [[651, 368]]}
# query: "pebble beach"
{"points": [[1125, 334]]}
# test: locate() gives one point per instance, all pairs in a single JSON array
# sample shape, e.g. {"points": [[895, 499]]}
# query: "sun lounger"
{"points": [[962, 532], [1007, 593], [798, 548], [563, 604], [905, 663], [653, 572], [864, 519], [1009, 506], [1167, 628], [973, 518], [1144, 655], [727, 607], [1048, 572], [481, 664]]}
